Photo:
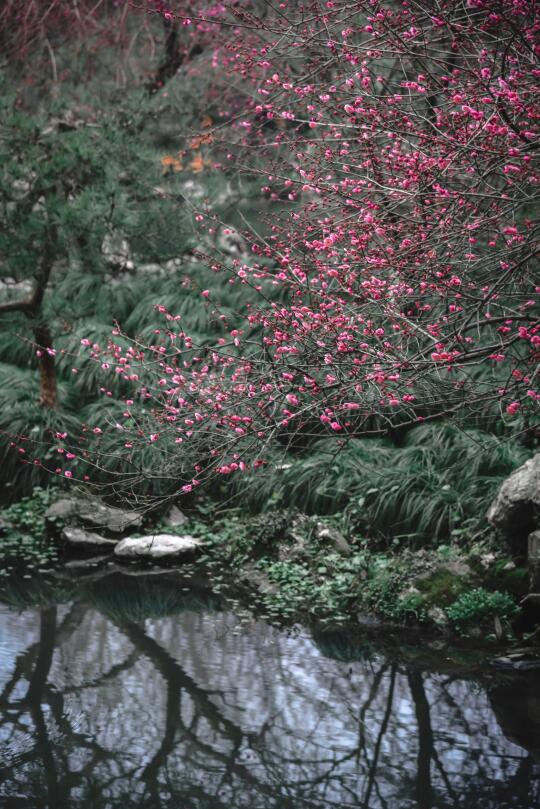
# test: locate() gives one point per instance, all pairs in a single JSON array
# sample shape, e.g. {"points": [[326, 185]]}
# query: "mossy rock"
{"points": [[442, 587], [504, 575]]}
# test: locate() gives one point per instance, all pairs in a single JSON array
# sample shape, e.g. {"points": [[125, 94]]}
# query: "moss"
{"points": [[441, 588], [504, 576]]}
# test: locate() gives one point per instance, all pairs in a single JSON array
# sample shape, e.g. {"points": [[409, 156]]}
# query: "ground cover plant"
{"points": [[296, 568]]}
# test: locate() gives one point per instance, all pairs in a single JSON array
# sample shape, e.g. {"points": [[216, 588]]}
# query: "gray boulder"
{"points": [[86, 540], [331, 535], [158, 546], [61, 510], [175, 517], [92, 513], [115, 520], [516, 508]]}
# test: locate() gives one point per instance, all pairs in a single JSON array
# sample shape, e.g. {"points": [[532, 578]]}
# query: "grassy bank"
{"points": [[371, 533], [300, 568]]}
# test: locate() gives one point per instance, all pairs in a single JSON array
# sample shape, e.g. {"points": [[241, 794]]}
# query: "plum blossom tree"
{"points": [[394, 277]]}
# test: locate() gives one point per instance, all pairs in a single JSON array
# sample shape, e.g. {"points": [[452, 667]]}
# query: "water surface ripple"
{"points": [[141, 693]]}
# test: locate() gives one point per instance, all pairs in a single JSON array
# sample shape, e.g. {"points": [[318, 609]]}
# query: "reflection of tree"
{"points": [[425, 741], [372, 772], [34, 666], [177, 682], [335, 734], [34, 696], [223, 757]]}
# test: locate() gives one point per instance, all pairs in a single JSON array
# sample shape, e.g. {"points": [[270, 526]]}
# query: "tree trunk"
{"points": [[174, 57], [48, 393], [32, 308]]}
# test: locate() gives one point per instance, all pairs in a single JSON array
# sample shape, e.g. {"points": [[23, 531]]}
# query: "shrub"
{"points": [[478, 607]]}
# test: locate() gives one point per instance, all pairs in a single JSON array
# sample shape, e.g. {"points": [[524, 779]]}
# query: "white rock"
{"points": [[158, 546]]}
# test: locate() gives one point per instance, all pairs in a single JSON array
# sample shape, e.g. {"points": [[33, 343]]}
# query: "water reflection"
{"points": [[141, 693]]}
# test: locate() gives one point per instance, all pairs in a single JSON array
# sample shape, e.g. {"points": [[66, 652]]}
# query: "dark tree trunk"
{"points": [[424, 791], [174, 57], [48, 393], [32, 308]]}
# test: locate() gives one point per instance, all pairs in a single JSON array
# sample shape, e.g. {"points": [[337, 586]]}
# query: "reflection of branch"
{"points": [[425, 740], [47, 638], [174, 673], [372, 774], [426, 750], [97, 682], [34, 697], [373, 691], [172, 715], [23, 665], [451, 703], [25, 660], [444, 775]]}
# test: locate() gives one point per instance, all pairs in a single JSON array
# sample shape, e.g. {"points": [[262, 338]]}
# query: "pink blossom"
{"points": [[512, 408]]}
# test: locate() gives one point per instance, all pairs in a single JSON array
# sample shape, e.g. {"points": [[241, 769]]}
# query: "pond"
{"points": [[152, 691]]}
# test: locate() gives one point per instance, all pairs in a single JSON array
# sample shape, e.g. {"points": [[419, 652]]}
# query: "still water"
{"points": [[152, 692]]}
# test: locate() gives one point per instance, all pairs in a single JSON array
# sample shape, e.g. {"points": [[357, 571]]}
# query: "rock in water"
{"points": [[79, 538], [158, 546], [516, 509]]}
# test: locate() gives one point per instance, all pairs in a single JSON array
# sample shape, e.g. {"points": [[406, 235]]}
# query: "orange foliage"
{"points": [[171, 164]]}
